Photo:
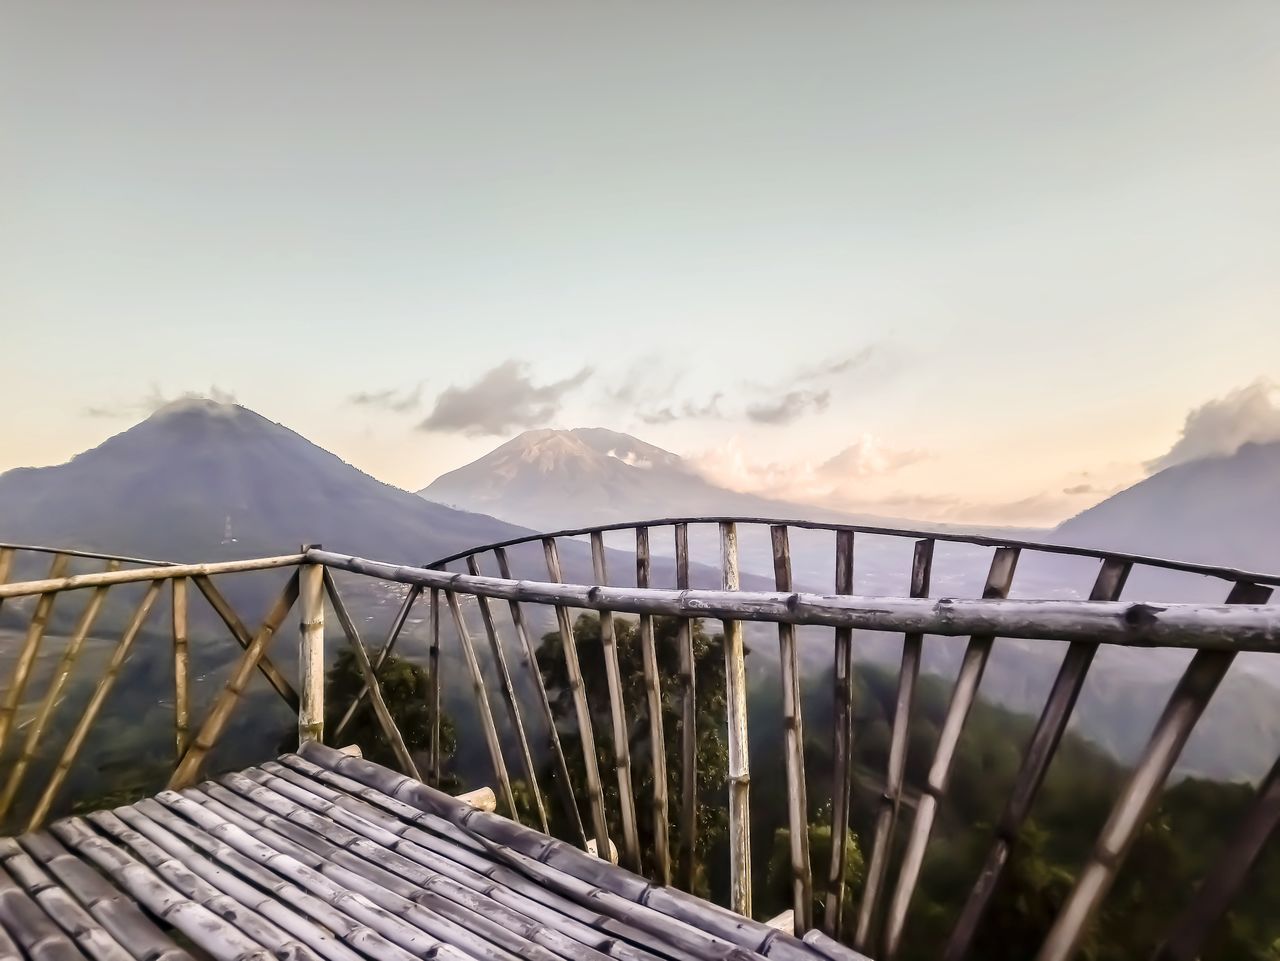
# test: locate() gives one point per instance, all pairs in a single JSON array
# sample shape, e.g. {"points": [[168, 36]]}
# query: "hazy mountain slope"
{"points": [[166, 487], [572, 478], [1221, 510]]}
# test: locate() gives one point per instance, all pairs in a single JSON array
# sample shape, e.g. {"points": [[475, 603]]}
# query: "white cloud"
{"points": [[1220, 427]]}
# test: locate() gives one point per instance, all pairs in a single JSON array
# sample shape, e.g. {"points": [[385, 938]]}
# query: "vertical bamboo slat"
{"points": [[793, 744], [310, 653], [509, 696], [393, 635], [482, 702], [735, 667], [963, 695], [1035, 763], [30, 648], [688, 722], [617, 715], [1185, 705], [842, 747], [105, 683], [216, 720], [581, 708], [57, 683], [653, 691], [563, 782], [891, 800], [385, 721], [181, 687], [433, 659]]}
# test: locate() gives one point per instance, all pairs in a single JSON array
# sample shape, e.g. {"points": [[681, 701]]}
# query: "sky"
{"points": [[980, 262]]}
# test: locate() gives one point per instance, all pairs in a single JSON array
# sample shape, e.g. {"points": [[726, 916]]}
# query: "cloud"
{"points": [[392, 399], [154, 400], [689, 410], [1076, 489], [789, 407], [1220, 427], [503, 399], [866, 457]]}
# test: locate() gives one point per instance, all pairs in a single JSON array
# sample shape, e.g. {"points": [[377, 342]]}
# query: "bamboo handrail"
{"points": [[53, 585]]}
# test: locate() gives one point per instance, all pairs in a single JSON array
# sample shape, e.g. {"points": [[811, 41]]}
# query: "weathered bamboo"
{"points": [[189, 767], [380, 710], [841, 746], [92, 938], [40, 938], [433, 659], [1141, 791], [27, 653], [735, 669], [57, 683], [621, 729], [509, 697], [965, 692], [1227, 875], [1035, 763], [793, 744], [53, 585], [688, 723], [181, 686], [487, 726], [389, 645], [6, 563], [581, 708], [311, 652], [891, 800], [562, 779], [653, 693], [120, 917], [1130, 624], [244, 638], [105, 683]]}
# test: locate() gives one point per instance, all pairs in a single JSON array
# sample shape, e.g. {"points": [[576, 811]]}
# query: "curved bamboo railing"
{"points": [[1244, 621]]}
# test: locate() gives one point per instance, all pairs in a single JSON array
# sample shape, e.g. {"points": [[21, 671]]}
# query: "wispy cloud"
{"points": [[688, 410], [396, 400], [503, 399], [1222, 426], [789, 407], [806, 391], [155, 399]]}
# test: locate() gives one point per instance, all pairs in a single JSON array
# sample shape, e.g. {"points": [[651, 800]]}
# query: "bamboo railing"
{"points": [[668, 556]]}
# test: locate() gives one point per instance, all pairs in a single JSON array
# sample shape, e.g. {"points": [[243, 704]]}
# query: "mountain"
{"points": [[555, 479], [173, 486], [1219, 510]]}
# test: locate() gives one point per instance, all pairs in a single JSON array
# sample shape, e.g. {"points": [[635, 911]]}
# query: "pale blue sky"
{"points": [[1045, 234]]}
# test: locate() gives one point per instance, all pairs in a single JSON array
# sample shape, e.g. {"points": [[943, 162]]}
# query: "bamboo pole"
{"points": [[244, 638], [393, 635], [6, 563], [105, 683], [735, 668], [54, 585], [976, 654], [1035, 764], [40, 938], [509, 696], [181, 687], [653, 691], [621, 729], [891, 800], [433, 657], [793, 744], [311, 652], [841, 747], [57, 683], [563, 782], [1131, 624], [27, 653], [580, 705], [216, 720], [1187, 702], [385, 721], [688, 722], [482, 702]]}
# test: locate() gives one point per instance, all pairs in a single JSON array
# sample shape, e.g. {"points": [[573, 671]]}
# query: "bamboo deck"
{"points": [[321, 855]]}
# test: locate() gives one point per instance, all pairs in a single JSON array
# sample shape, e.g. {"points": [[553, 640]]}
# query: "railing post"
{"points": [[311, 651]]}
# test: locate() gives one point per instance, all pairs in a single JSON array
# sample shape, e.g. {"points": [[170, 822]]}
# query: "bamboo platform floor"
{"points": [[321, 855]]}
